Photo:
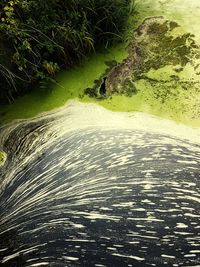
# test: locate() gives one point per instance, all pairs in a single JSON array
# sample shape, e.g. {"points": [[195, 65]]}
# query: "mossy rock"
{"points": [[3, 158]]}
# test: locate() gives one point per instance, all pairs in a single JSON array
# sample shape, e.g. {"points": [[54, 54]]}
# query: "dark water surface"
{"points": [[102, 198]]}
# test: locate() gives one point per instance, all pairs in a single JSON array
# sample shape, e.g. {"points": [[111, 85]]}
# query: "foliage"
{"points": [[43, 36]]}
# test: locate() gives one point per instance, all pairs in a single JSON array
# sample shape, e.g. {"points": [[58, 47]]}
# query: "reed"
{"points": [[45, 36]]}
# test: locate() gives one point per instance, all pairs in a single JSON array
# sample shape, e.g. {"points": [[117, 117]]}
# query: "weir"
{"points": [[84, 186]]}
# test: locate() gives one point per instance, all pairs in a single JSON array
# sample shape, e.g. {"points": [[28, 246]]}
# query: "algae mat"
{"points": [[161, 72], [171, 99]]}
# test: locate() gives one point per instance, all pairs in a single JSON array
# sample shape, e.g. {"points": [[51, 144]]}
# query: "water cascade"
{"points": [[84, 186]]}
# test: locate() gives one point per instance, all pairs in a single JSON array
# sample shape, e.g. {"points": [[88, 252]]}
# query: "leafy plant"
{"points": [[46, 35]]}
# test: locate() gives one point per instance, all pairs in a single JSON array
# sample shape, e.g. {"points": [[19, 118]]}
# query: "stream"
{"points": [[84, 186], [83, 183]]}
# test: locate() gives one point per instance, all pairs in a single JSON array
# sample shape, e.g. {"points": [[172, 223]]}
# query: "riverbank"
{"points": [[71, 84]]}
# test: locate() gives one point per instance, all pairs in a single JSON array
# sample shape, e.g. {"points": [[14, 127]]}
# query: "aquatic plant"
{"points": [[40, 37]]}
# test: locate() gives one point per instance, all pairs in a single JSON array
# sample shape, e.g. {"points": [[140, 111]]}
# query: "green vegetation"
{"points": [[160, 74], [169, 89], [38, 38], [71, 85]]}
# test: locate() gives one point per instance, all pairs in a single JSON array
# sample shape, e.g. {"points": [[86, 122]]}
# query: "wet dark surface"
{"points": [[104, 198]]}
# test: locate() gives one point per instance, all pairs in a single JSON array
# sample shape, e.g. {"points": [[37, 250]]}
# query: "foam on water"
{"points": [[84, 186]]}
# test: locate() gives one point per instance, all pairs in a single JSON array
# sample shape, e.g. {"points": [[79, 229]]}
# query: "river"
{"points": [[81, 185], [84, 186]]}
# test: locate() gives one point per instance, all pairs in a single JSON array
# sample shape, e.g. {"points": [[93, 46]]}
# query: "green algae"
{"points": [[185, 13], [157, 90], [70, 85], [158, 78]]}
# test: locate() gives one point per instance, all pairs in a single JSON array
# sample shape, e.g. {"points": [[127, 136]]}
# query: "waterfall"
{"points": [[84, 186]]}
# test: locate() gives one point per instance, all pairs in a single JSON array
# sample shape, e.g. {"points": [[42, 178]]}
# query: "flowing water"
{"points": [[85, 186]]}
